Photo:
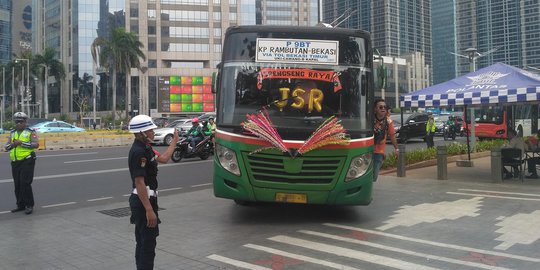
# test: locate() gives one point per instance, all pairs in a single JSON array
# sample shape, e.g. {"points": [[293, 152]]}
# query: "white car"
{"points": [[164, 135]]}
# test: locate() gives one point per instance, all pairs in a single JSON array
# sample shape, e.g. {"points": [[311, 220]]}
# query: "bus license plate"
{"points": [[291, 197]]}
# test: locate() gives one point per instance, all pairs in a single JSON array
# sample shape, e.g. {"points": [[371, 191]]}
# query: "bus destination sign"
{"points": [[321, 52]]}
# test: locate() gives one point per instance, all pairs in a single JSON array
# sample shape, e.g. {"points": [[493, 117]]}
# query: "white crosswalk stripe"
{"points": [[386, 250]]}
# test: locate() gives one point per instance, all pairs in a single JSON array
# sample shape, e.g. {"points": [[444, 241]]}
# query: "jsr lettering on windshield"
{"points": [[313, 96]]}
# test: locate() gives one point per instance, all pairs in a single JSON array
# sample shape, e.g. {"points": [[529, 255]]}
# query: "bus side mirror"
{"points": [[215, 78]]}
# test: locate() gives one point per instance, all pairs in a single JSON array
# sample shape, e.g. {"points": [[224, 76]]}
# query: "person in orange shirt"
{"points": [[382, 127]]}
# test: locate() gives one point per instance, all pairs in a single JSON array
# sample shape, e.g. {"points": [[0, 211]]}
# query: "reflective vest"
{"points": [[19, 152], [430, 126]]}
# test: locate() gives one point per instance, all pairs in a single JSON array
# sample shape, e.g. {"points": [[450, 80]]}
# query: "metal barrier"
{"points": [[401, 161], [442, 163], [496, 165]]}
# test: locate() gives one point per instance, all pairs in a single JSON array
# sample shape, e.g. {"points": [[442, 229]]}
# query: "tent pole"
{"points": [[468, 133]]}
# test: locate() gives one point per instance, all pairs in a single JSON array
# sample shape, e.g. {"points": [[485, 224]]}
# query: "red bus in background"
{"points": [[490, 122]]}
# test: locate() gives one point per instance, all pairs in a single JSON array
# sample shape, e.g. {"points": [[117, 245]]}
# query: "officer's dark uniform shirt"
{"points": [[142, 162]]}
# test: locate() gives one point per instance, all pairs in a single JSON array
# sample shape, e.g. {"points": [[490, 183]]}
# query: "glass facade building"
{"points": [[444, 40], [5, 31]]}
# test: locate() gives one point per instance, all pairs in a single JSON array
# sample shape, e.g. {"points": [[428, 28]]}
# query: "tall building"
{"points": [[70, 27], [5, 31], [21, 27], [444, 40], [500, 30], [182, 44], [399, 31]]}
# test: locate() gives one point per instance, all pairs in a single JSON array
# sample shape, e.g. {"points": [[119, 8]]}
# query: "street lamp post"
{"points": [[27, 79], [45, 92]]}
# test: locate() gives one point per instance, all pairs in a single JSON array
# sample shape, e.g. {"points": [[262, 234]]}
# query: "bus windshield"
{"points": [[297, 96], [487, 115]]}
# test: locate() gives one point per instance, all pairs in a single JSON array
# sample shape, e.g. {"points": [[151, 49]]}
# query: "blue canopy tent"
{"points": [[496, 84]]}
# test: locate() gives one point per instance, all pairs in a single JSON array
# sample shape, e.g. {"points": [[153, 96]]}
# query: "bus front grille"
{"points": [[313, 170]]}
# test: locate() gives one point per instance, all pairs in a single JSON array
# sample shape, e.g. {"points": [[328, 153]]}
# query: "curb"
{"points": [[433, 162]]}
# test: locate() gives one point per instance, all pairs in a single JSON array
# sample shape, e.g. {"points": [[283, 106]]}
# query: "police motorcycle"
{"points": [[203, 149]]}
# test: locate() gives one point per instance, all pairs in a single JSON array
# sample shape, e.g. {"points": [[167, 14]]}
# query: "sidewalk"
{"points": [[87, 238]]}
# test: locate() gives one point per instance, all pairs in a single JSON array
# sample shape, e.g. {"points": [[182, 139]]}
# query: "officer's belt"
{"points": [[150, 192]]}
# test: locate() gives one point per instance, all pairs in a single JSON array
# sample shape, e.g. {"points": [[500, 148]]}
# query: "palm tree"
{"points": [[121, 53], [55, 68]]}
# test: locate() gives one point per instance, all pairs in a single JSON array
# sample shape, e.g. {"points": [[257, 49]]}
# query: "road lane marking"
{"points": [[93, 160], [237, 263], [437, 244], [170, 189], [500, 192], [63, 155], [3, 181], [301, 257], [350, 253], [403, 251], [494, 196], [59, 204], [5, 212], [99, 199], [201, 185]]}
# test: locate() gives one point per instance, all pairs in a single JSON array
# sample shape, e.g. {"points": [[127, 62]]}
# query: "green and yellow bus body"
{"points": [[299, 77]]}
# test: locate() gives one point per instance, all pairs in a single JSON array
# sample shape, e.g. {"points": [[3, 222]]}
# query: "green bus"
{"points": [[299, 78]]}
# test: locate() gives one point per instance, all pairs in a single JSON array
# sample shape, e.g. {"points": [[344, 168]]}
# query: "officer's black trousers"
{"points": [[145, 250], [23, 175]]}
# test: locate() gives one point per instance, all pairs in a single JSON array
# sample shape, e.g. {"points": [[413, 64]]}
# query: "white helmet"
{"points": [[20, 116], [141, 123]]}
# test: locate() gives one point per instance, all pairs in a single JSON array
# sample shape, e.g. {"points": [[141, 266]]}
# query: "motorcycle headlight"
{"points": [[227, 159], [358, 167]]}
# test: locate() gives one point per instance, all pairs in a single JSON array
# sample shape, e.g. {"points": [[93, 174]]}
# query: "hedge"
{"points": [[453, 149]]}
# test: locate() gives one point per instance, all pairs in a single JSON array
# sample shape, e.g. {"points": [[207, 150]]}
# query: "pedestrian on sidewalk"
{"points": [[430, 130], [383, 126], [21, 145], [143, 162]]}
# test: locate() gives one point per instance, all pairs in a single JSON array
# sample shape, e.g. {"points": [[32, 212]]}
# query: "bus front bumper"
{"points": [[355, 192]]}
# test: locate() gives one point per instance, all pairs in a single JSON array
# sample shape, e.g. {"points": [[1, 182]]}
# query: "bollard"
{"points": [[442, 163], [496, 165], [401, 160]]}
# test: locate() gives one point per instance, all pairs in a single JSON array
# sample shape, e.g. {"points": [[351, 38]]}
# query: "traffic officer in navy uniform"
{"points": [[21, 145], [143, 162]]}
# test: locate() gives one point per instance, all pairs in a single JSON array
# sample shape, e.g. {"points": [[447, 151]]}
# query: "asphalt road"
{"points": [[76, 178], [81, 177]]}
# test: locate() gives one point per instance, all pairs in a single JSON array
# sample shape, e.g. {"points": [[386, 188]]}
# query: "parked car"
{"points": [[55, 126], [164, 135], [414, 126]]}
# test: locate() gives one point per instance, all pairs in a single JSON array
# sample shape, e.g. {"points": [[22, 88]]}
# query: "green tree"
{"points": [[48, 60], [121, 53]]}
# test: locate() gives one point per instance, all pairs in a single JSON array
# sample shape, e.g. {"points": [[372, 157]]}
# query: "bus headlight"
{"points": [[227, 159], [359, 166]]}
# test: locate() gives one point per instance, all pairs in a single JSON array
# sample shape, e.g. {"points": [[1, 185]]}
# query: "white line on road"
{"points": [[437, 244], [59, 204], [403, 251], [494, 196], [92, 160], [63, 155], [236, 263], [170, 189], [201, 185], [350, 253], [99, 199], [500, 192], [3, 181], [5, 212], [300, 257]]}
